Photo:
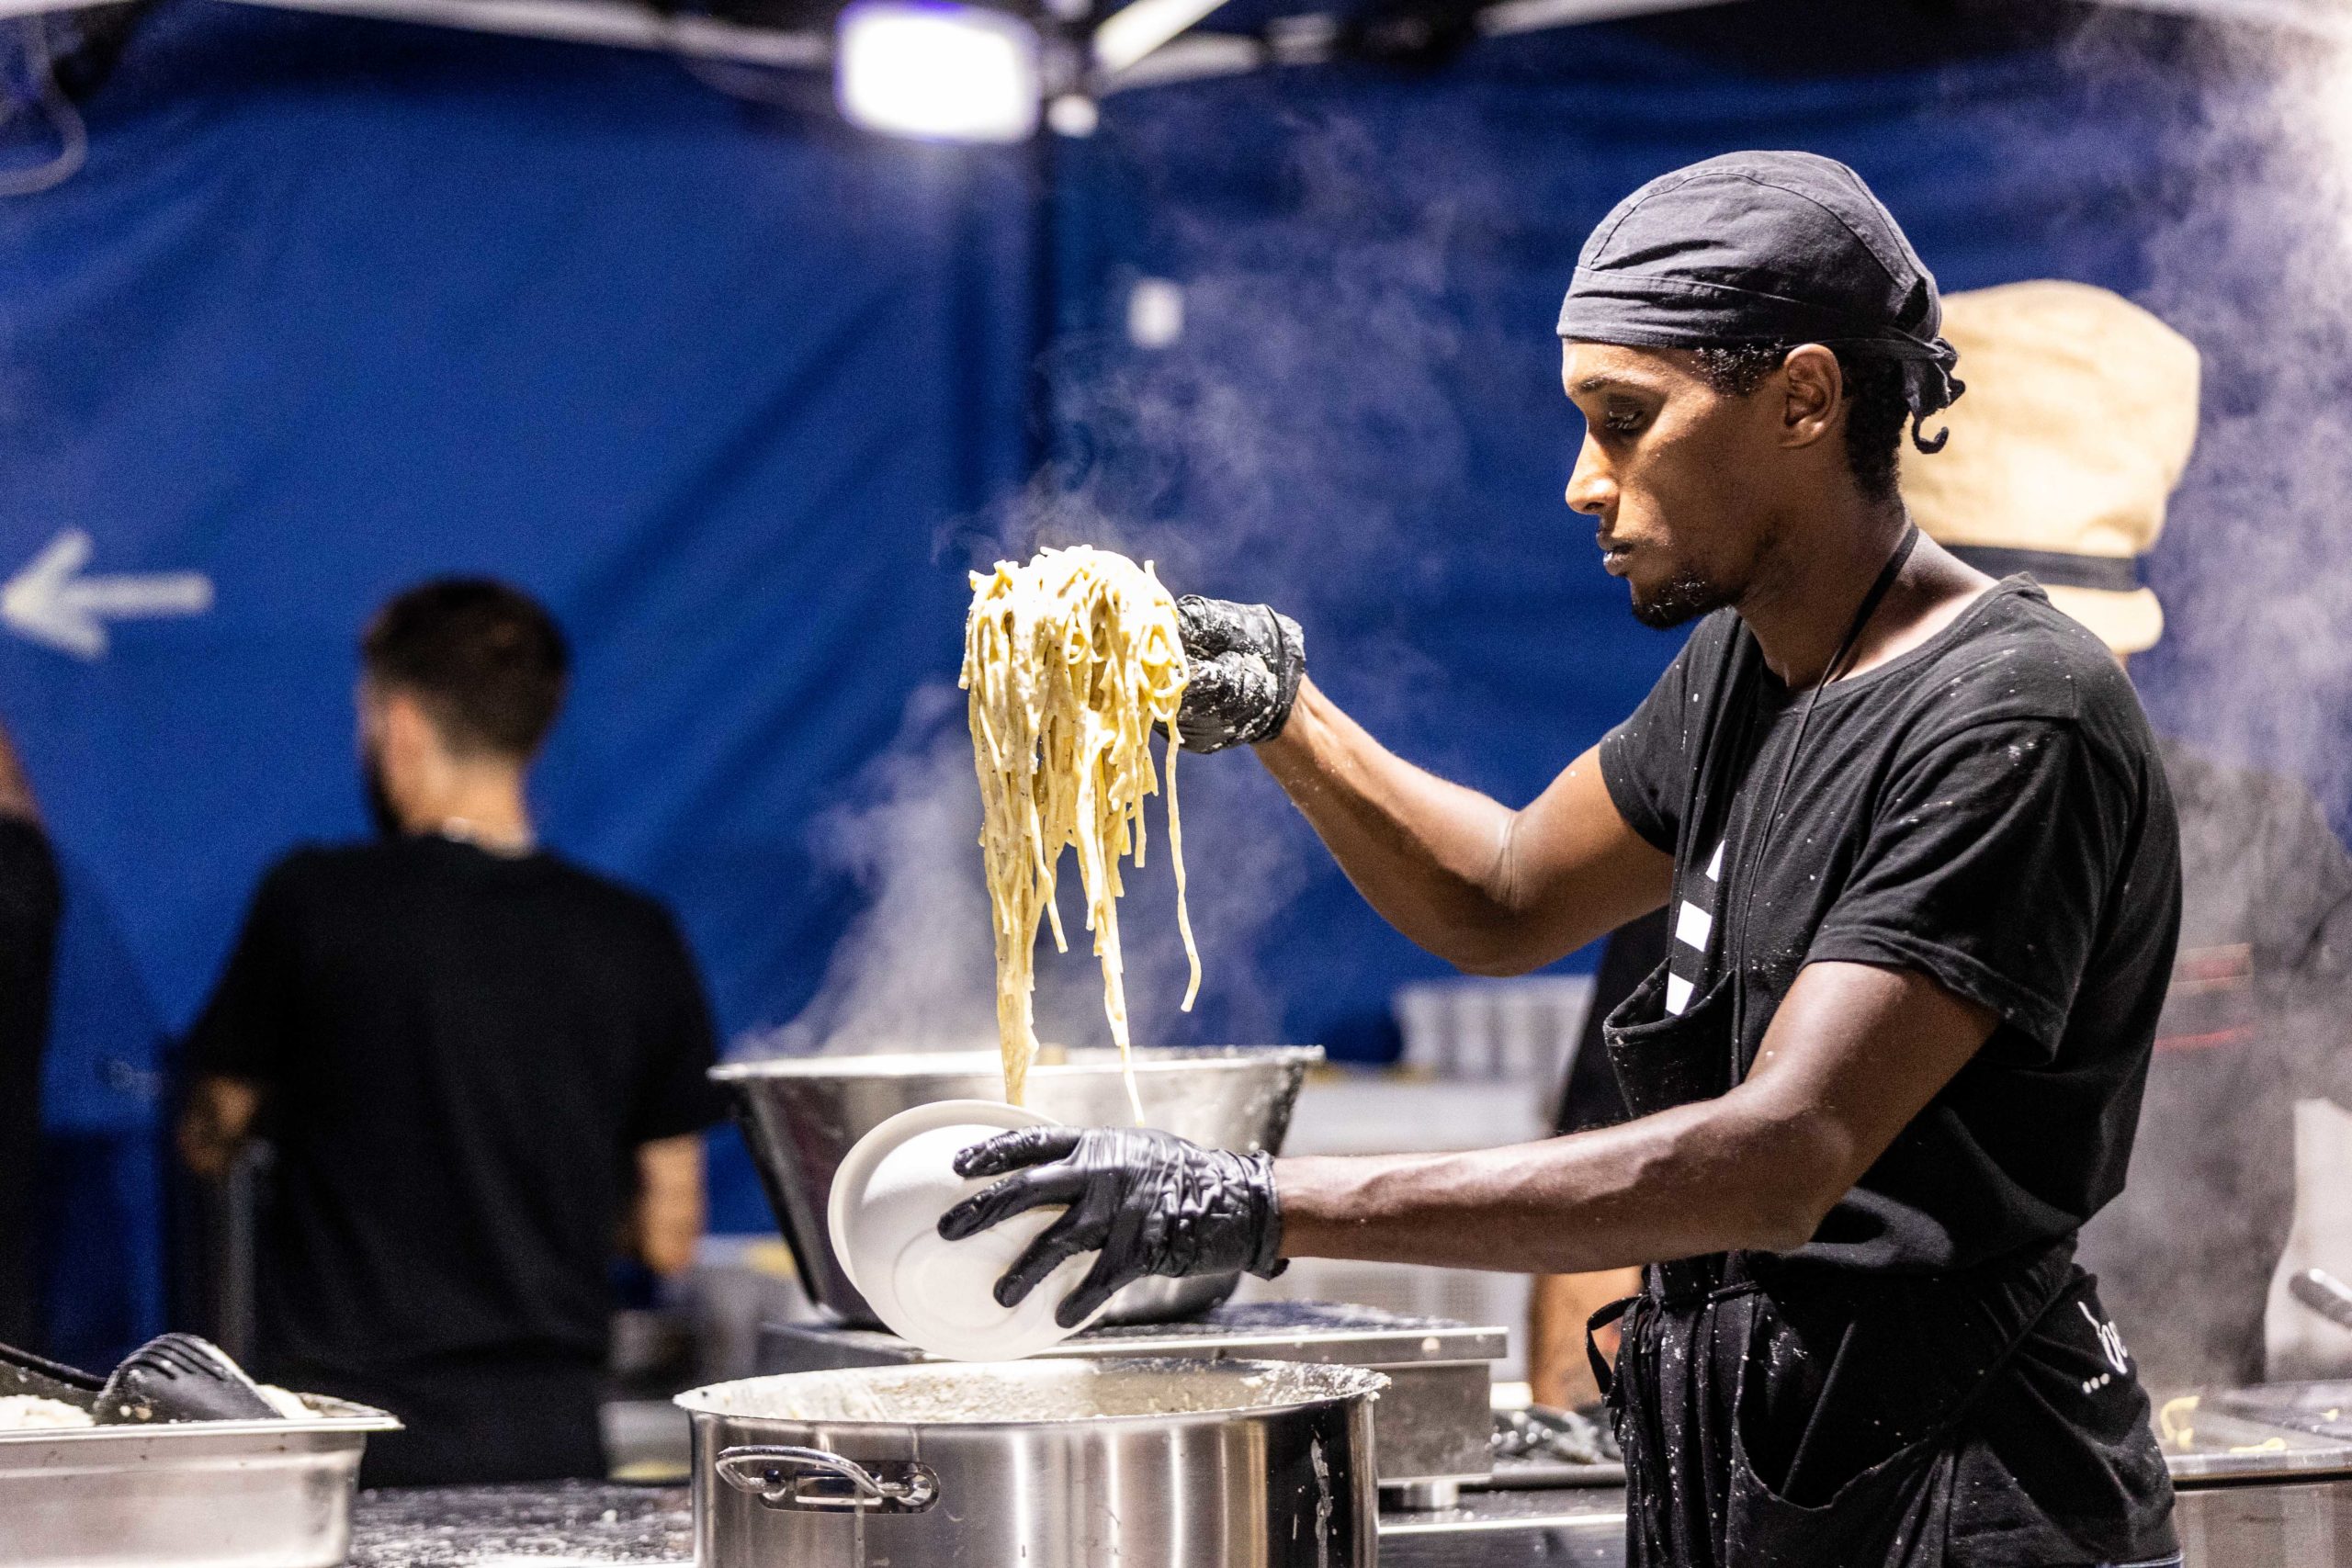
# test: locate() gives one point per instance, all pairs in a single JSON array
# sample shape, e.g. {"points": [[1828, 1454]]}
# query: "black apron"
{"points": [[1777, 1413]]}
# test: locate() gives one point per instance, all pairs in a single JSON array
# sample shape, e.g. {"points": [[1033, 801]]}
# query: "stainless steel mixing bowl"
{"points": [[802, 1114]]}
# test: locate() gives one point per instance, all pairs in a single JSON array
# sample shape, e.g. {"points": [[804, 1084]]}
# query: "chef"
{"points": [[1923, 876], [2080, 417]]}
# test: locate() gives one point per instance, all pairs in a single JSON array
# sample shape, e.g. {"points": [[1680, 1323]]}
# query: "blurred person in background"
{"points": [[481, 1068], [2080, 417], [31, 900]]}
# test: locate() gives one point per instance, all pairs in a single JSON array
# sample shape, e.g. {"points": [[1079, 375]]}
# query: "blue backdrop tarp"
{"points": [[334, 307], [338, 304]]}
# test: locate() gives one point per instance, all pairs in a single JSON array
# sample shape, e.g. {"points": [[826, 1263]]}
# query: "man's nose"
{"points": [[1593, 488]]}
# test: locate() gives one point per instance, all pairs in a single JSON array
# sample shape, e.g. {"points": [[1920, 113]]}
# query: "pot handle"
{"points": [[789, 1478]]}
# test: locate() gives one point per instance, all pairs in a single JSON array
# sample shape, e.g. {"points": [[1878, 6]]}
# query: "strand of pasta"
{"points": [[1072, 660]]}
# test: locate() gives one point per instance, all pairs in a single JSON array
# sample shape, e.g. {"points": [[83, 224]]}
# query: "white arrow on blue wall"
{"points": [[51, 603]]}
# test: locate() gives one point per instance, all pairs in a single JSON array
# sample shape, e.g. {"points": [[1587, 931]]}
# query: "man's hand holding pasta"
{"points": [[1247, 662]]}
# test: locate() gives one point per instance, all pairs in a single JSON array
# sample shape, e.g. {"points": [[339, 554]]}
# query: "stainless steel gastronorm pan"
{"points": [[185, 1495]]}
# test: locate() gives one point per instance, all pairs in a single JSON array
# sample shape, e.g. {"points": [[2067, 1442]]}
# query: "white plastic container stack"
{"points": [[1483, 1064], [1517, 1030]]}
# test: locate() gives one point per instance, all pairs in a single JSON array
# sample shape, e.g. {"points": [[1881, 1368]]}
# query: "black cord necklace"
{"points": [[1753, 860]]}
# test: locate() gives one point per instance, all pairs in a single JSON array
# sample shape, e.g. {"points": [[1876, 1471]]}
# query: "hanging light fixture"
{"points": [[937, 70]]}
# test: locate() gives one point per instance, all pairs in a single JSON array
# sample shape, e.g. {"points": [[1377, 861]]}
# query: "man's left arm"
{"points": [[1977, 898]]}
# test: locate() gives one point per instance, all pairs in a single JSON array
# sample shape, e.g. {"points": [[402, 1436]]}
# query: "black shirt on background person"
{"points": [[480, 1065], [31, 901]]}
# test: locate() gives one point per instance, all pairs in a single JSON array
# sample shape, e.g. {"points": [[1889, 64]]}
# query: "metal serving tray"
{"points": [[185, 1495]]}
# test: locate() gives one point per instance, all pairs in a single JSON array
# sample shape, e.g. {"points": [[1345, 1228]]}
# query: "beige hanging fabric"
{"points": [[2080, 415]]}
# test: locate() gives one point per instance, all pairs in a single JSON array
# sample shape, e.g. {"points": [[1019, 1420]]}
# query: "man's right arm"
{"points": [[239, 1044], [1492, 890]]}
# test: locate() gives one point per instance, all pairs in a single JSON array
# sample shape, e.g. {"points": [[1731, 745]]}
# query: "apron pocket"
{"points": [[1891, 1513], [1896, 1511], [1894, 1514], [1663, 1060]]}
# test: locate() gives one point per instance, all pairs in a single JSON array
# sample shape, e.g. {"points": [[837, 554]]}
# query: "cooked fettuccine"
{"points": [[1071, 661]]}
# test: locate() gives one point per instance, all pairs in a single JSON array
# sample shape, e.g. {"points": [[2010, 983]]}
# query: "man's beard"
{"points": [[1682, 597]]}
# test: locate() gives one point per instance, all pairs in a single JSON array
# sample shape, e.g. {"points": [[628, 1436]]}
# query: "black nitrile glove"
{"points": [[1246, 664], [1148, 1202]]}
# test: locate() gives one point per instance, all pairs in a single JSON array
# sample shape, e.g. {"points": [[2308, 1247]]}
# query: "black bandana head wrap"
{"points": [[1765, 247]]}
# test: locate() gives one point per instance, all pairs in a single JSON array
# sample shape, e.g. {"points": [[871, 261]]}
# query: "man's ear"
{"points": [[1816, 395]]}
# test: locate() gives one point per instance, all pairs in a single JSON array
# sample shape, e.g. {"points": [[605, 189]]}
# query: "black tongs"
{"points": [[178, 1377], [22, 1372]]}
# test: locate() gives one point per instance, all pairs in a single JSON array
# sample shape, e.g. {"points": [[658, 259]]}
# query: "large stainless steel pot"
{"points": [[1039, 1464], [802, 1114]]}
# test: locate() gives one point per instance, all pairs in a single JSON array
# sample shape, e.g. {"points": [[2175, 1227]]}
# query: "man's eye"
{"points": [[1621, 422]]}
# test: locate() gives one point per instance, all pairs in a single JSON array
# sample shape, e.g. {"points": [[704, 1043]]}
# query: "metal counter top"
{"points": [[2254, 1493], [544, 1525], [2260, 1525], [581, 1523]]}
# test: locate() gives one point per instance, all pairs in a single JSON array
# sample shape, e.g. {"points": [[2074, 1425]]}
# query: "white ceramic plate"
{"points": [[857, 1166], [934, 1294]]}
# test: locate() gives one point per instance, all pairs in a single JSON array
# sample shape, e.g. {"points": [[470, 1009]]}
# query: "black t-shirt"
{"points": [[31, 899], [460, 1052], [1989, 809]]}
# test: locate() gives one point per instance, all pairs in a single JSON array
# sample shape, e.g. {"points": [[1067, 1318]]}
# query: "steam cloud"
{"points": [[1252, 457], [2258, 587]]}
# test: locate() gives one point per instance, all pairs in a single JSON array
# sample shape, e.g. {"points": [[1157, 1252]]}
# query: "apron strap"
{"points": [[1603, 1374]]}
